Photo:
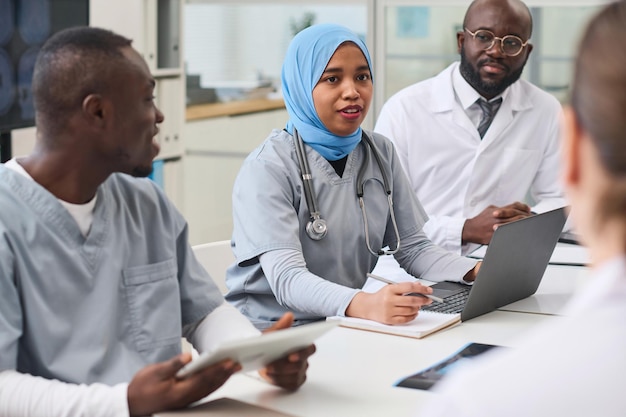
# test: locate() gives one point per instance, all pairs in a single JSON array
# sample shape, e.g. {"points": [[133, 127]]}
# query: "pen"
{"points": [[388, 281]]}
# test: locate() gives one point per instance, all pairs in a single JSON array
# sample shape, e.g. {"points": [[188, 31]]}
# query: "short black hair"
{"points": [[72, 64]]}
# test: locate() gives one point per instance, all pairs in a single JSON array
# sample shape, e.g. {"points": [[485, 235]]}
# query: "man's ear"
{"points": [[460, 38], [94, 110], [570, 148]]}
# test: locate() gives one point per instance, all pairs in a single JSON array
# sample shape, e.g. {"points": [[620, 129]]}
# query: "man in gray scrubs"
{"points": [[97, 278]]}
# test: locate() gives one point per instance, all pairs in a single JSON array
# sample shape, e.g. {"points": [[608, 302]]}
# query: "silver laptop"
{"points": [[512, 268]]}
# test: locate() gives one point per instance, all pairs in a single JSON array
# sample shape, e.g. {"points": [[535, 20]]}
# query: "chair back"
{"points": [[215, 257]]}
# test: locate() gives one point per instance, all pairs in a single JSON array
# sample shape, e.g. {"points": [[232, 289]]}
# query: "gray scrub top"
{"points": [[100, 308], [270, 212]]}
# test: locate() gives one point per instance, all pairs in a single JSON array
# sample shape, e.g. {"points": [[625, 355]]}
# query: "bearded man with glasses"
{"points": [[480, 145]]}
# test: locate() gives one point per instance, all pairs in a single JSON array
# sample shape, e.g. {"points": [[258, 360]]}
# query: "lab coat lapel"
{"points": [[445, 105], [460, 119], [514, 101]]}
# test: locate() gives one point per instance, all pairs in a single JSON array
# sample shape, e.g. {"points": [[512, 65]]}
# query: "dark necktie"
{"points": [[489, 112]]}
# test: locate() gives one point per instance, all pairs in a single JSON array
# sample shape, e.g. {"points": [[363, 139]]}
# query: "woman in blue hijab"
{"points": [[304, 65], [316, 204]]}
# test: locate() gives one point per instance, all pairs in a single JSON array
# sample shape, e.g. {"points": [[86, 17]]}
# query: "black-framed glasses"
{"points": [[510, 45]]}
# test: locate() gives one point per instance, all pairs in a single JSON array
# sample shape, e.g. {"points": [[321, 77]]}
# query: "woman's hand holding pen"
{"points": [[390, 305]]}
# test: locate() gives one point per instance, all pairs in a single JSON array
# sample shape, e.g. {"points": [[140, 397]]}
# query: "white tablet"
{"points": [[256, 352]]}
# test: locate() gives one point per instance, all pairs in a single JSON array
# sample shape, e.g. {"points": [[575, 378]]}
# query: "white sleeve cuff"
{"points": [[454, 234], [32, 396], [222, 324], [445, 232]]}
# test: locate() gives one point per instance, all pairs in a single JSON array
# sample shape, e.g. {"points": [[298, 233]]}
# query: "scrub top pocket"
{"points": [[152, 296]]}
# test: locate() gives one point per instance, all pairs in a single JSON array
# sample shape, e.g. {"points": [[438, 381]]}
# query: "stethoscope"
{"points": [[316, 228]]}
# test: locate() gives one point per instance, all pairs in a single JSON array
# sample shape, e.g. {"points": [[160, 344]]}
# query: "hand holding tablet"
{"points": [[256, 352]]}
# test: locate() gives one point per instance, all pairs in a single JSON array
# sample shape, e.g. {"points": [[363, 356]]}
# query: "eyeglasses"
{"points": [[510, 45]]}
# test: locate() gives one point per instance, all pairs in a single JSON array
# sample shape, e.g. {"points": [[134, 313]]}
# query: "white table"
{"points": [[557, 286], [563, 254], [353, 372]]}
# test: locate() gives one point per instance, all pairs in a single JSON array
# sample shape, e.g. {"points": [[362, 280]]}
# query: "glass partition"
{"points": [[234, 50], [557, 33], [419, 42], [417, 39]]}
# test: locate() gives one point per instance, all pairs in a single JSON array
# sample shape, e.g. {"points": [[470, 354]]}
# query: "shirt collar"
{"points": [[14, 165], [465, 93]]}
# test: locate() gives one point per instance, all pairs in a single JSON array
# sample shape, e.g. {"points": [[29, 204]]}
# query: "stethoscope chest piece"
{"points": [[316, 229]]}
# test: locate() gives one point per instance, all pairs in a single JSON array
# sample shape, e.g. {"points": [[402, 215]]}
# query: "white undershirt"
{"points": [[23, 395]]}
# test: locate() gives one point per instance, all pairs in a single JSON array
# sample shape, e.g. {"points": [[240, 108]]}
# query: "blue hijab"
{"points": [[305, 61]]}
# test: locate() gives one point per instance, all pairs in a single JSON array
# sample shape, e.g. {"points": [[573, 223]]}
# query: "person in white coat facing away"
{"points": [[573, 366]]}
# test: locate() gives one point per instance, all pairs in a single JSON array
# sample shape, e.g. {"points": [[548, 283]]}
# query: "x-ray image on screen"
{"points": [[24, 26]]}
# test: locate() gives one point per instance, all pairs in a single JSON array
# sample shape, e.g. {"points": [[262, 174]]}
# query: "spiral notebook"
{"points": [[426, 322]]}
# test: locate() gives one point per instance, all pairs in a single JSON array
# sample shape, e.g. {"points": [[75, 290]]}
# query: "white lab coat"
{"points": [[454, 173]]}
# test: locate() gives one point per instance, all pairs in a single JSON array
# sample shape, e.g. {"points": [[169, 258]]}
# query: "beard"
{"points": [[486, 88], [142, 171]]}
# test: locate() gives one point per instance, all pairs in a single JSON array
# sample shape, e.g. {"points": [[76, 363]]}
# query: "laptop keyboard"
{"points": [[451, 304]]}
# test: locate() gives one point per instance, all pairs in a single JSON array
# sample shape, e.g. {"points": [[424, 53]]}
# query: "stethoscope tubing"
{"points": [[307, 178], [309, 193]]}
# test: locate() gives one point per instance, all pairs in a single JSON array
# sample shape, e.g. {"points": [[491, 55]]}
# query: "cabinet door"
{"points": [[130, 19], [168, 34], [170, 101]]}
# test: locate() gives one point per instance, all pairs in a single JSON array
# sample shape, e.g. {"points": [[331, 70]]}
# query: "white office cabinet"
{"points": [[155, 27], [169, 99], [136, 19], [173, 181], [124, 17], [215, 149]]}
